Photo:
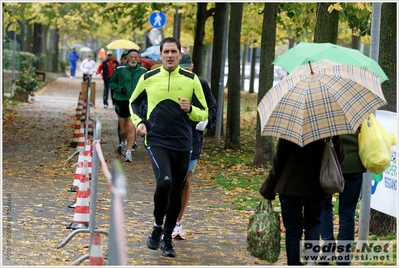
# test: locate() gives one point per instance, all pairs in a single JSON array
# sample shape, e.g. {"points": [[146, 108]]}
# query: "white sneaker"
{"points": [[124, 149], [128, 157], [178, 232]]}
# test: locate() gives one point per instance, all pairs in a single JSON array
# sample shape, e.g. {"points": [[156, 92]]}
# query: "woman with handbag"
{"points": [[295, 175]]}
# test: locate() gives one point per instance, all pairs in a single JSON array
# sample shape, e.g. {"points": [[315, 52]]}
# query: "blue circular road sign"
{"points": [[157, 19]]}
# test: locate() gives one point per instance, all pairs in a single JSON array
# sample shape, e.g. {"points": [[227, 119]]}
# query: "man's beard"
{"points": [[132, 64]]}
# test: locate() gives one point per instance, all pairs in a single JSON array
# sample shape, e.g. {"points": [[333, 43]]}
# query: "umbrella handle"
{"points": [[310, 65]]}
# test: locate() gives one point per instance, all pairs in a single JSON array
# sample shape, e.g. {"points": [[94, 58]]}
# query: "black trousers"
{"points": [[170, 169]]}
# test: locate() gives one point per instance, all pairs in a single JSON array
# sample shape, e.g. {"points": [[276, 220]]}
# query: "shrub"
{"points": [[23, 60], [26, 80]]}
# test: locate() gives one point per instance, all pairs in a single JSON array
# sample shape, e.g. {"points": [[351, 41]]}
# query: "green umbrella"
{"points": [[304, 52]]}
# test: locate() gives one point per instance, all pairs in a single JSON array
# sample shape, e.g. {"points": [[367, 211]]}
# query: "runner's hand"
{"points": [[184, 104]]}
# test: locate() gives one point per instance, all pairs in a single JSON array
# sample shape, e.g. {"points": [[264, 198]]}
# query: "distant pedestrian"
{"points": [[167, 128], [106, 69], [73, 58], [87, 67], [101, 54]]}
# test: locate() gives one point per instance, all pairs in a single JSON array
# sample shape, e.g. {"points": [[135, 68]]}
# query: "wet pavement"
{"points": [[37, 174]]}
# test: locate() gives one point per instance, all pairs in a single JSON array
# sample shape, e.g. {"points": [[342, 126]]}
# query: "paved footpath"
{"points": [[37, 175]]}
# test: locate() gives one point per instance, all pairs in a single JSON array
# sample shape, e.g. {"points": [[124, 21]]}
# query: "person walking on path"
{"points": [[87, 67], [123, 82], [295, 175], [198, 133], [352, 169], [122, 62], [73, 58], [167, 128], [106, 69], [101, 54]]}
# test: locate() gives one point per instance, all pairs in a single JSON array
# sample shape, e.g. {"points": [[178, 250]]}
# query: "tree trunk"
{"points": [[356, 42], [326, 28], [217, 51], [232, 140], [43, 39], [198, 51], [382, 224], [387, 53], [253, 72], [291, 42], [37, 36], [29, 39], [264, 148], [55, 37], [243, 63]]}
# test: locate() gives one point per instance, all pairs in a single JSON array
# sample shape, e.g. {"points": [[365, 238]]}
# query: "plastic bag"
{"points": [[263, 234], [375, 145]]}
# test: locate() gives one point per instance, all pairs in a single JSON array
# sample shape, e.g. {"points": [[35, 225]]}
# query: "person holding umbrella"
{"points": [[73, 58], [295, 177]]}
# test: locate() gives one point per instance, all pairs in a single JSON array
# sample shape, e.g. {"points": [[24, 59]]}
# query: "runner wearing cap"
{"points": [[123, 82]]}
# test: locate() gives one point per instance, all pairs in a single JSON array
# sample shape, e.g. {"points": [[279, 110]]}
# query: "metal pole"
{"points": [[94, 181], [219, 114], [116, 247], [364, 213], [13, 62], [87, 108]]}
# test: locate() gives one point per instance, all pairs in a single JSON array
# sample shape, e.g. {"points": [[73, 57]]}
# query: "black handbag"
{"points": [[331, 177]]}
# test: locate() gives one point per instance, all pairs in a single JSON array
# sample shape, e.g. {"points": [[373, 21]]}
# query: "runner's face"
{"points": [[124, 60], [170, 56], [133, 58]]}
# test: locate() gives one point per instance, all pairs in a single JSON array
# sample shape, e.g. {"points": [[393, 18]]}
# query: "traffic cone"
{"points": [[83, 116], [96, 252], [76, 131], [78, 171], [81, 139], [82, 209], [80, 105]]}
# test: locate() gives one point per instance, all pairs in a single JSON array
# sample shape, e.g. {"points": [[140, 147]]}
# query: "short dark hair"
{"points": [[170, 40]]}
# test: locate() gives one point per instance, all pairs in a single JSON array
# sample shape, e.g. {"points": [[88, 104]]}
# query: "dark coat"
{"points": [[212, 112], [106, 69], [295, 170]]}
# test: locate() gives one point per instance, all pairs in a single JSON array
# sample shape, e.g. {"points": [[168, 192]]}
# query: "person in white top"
{"points": [[88, 66]]}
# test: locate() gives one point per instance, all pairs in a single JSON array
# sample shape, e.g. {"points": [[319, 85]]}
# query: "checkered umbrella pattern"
{"points": [[320, 100]]}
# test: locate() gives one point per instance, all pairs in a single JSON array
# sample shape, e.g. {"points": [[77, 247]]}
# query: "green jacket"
{"points": [[352, 162], [125, 77]]}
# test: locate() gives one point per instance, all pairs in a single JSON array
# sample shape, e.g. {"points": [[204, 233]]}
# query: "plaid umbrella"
{"points": [[320, 100], [304, 52]]}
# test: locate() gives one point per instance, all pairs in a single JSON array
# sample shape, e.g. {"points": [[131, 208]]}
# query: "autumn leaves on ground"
{"points": [[37, 175]]}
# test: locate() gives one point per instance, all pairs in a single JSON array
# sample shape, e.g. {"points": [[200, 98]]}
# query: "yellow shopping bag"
{"points": [[375, 145]]}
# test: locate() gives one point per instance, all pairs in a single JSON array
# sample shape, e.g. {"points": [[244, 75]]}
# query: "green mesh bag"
{"points": [[263, 234]]}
